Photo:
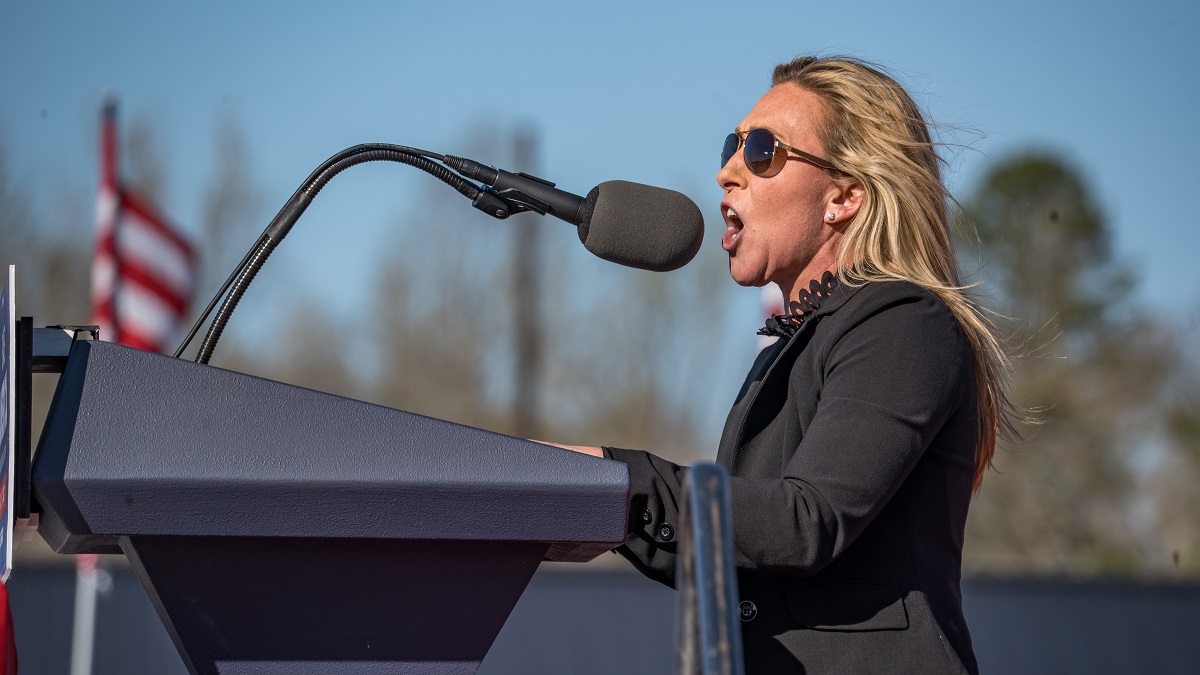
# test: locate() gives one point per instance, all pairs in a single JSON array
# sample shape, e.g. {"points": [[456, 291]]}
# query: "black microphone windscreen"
{"points": [[641, 226]]}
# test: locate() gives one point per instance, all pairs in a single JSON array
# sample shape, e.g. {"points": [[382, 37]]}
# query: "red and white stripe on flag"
{"points": [[143, 270]]}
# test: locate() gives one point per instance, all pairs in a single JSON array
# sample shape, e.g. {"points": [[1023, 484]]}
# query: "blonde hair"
{"points": [[876, 135]]}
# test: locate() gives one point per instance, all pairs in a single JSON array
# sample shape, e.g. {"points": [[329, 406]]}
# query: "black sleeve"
{"points": [[655, 488], [891, 380]]}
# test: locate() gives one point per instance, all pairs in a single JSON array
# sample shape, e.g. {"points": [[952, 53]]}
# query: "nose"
{"points": [[733, 174]]}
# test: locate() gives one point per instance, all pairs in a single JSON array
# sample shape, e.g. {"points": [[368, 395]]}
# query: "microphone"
{"points": [[627, 223], [633, 225]]}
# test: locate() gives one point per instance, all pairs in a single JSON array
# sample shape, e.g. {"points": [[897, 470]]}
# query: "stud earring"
{"points": [[829, 216]]}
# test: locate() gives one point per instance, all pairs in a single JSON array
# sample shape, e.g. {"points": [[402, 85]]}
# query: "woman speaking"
{"points": [[858, 438]]}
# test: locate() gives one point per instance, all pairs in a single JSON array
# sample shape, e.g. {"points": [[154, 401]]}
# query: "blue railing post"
{"points": [[709, 638]]}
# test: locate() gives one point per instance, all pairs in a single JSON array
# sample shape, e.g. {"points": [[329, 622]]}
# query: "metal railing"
{"points": [[709, 637]]}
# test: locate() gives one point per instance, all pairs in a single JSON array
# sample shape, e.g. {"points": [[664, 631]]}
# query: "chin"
{"points": [[744, 278]]}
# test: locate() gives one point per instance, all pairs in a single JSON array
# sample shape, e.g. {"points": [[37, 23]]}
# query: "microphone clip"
{"points": [[501, 204]]}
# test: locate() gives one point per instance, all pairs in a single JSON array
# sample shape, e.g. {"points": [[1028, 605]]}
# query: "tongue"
{"points": [[730, 239]]}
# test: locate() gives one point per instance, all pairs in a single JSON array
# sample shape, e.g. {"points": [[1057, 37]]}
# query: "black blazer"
{"points": [[851, 454]]}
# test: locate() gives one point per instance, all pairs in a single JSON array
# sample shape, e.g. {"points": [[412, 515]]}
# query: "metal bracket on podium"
{"points": [[38, 350], [51, 345]]}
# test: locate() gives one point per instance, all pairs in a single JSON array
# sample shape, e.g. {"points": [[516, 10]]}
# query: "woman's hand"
{"points": [[585, 449]]}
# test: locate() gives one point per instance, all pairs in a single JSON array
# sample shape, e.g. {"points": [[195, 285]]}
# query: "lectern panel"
{"points": [[142, 444], [283, 530]]}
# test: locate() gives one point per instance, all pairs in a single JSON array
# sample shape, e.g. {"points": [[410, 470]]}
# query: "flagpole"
{"points": [[83, 634], [109, 176]]}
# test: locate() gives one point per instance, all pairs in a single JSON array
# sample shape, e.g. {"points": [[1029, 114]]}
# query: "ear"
{"points": [[844, 201]]}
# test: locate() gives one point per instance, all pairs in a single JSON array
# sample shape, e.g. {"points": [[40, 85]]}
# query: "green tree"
{"points": [[1092, 365], [1173, 484]]}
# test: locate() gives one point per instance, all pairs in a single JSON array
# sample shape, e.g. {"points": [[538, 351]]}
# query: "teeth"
{"points": [[731, 213]]}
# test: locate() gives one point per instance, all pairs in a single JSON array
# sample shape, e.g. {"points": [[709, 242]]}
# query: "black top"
{"points": [[851, 452]]}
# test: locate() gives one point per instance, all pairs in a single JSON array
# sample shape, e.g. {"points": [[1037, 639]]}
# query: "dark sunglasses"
{"points": [[764, 154]]}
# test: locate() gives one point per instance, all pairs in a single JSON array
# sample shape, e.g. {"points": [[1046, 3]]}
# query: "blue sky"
{"points": [[635, 91]]}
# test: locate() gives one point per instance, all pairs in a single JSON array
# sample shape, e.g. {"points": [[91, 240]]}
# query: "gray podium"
{"points": [[282, 530]]}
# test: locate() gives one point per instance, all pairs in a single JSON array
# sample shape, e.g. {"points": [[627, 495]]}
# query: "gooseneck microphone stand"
{"points": [[494, 203]]}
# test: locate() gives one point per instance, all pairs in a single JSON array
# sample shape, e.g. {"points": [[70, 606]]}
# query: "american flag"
{"points": [[144, 269]]}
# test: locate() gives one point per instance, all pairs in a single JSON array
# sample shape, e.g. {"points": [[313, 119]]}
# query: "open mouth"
{"points": [[733, 229]]}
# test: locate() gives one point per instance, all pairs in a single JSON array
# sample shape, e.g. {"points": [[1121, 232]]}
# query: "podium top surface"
{"points": [[142, 444]]}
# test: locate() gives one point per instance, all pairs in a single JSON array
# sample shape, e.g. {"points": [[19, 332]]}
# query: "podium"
{"points": [[278, 529]]}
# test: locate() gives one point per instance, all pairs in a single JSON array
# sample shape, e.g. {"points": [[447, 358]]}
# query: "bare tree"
{"points": [[232, 210], [143, 164]]}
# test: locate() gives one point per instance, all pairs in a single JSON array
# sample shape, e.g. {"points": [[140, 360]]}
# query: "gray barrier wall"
{"points": [[585, 622]]}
